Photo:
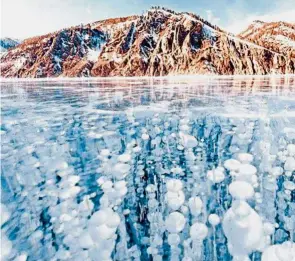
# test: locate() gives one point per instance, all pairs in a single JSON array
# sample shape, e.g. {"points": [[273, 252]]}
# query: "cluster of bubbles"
{"points": [[145, 183]]}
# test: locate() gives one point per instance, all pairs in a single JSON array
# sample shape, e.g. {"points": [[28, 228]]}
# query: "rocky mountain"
{"points": [[276, 36], [159, 42], [8, 43]]}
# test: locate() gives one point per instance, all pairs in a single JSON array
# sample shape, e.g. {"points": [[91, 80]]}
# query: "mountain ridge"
{"points": [[159, 42], [276, 36]]}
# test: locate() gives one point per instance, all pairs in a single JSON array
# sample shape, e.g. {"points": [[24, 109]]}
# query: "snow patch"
{"points": [[18, 63], [285, 40], [93, 55]]}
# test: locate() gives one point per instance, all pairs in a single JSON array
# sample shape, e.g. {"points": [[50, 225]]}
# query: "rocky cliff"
{"points": [[159, 42], [276, 36]]}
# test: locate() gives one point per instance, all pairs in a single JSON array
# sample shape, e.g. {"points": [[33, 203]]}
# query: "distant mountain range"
{"points": [[8, 43], [159, 42]]}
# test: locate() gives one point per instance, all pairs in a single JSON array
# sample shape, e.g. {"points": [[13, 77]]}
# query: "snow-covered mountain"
{"points": [[8, 43], [159, 42]]}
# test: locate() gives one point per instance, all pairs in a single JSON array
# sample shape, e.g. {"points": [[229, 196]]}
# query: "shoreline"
{"points": [[167, 77]]}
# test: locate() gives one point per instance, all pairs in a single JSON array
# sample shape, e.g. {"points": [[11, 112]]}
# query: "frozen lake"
{"points": [[183, 168]]}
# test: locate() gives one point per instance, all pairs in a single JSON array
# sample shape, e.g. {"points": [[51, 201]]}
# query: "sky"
{"points": [[25, 18]]}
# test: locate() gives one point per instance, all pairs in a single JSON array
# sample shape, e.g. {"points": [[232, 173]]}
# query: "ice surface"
{"points": [[183, 168]]}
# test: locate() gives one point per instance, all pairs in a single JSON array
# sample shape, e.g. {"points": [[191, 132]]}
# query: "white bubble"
{"points": [[177, 170], [113, 220], [243, 228], [245, 158], [198, 231], [5, 215], [6, 247], [95, 135], [289, 164], [247, 170], [184, 127], [175, 222], [126, 212], [98, 218], [289, 185], [107, 185], [188, 141], [120, 170], [105, 152], [175, 199], [22, 257], [214, 219], [102, 232], [277, 171], [216, 175], [174, 185], [69, 192], [100, 181], [173, 239], [137, 149], [280, 252], [195, 205], [268, 228], [124, 158], [85, 240], [120, 184], [291, 149], [145, 136], [241, 190], [232, 164]]}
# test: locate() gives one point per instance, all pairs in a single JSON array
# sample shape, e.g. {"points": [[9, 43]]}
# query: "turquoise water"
{"points": [[142, 169]]}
